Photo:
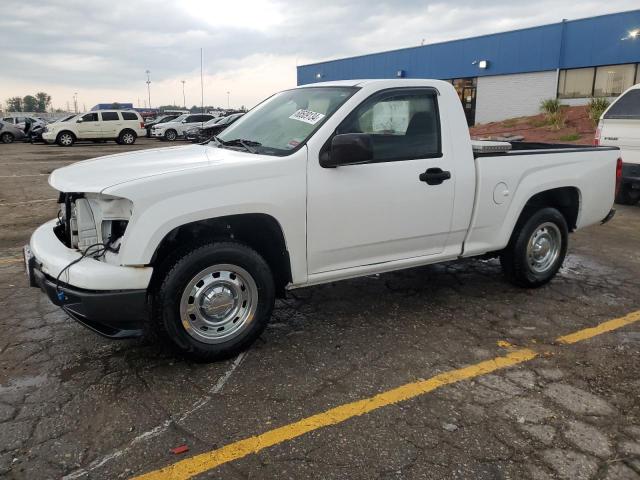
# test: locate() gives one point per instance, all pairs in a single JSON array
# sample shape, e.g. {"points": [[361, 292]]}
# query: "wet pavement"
{"points": [[75, 405]]}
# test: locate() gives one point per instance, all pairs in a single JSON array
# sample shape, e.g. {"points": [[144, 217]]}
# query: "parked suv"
{"points": [[172, 130], [620, 127], [123, 126]]}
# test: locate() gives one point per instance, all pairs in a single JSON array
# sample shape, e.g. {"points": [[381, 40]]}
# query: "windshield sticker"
{"points": [[307, 116], [293, 143]]}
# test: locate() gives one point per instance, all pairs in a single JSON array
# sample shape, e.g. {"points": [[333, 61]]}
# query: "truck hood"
{"points": [[97, 174]]}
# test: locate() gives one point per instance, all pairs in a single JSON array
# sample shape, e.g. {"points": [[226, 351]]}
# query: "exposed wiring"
{"points": [[96, 254]]}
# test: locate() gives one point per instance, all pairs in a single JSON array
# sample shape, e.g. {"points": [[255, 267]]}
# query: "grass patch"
{"points": [[571, 137]]}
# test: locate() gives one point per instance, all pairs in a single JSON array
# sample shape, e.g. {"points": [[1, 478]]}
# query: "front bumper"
{"points": [[108, 299], [157, 133], [118, 314]]}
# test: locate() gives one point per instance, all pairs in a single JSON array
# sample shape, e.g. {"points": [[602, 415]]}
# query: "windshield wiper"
{"points": [[239, 142]]}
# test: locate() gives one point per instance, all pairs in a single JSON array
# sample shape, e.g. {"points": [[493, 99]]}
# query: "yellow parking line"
{"points": [[604, 327], [5, 261], [206, 461]]}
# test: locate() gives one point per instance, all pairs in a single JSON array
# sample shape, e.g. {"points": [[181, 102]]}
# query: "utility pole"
{"points": [[184, 99], [228, 93], [149, 87], [75, 102]]}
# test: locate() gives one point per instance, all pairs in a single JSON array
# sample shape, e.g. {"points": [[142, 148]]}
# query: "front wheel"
{"points": [[537, 248], [7, 137], [170, 135], [66, 139], [215, 300]]}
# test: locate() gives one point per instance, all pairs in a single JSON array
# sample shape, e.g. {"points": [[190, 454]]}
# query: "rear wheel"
{"points": [[66, 139], [627, 195], [170, 135], [537, 248], [214, 300], [127, 137], [7, 137]]}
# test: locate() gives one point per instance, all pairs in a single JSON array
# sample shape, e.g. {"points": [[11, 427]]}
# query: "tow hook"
{"points": [[609, 216]]}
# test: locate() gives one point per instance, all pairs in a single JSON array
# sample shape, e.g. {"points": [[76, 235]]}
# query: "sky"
{"points": [[101, 50]]}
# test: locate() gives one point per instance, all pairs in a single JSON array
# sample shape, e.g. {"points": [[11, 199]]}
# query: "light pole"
{"points": [[184, 99], [149, 87], [228, 93], [75, 102]]}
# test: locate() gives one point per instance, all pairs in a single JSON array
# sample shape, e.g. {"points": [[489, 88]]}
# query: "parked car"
{"points": [[316, 184], [158, 120], [9, 133], [22, 121], [123, 126], [620, 126], [211, 128], [175, 129]]}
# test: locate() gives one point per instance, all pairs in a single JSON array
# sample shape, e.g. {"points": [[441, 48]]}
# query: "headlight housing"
{"points": [[93, 218]]}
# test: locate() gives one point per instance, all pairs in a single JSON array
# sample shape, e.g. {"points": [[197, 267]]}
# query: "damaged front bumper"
{"points": [[109, 299]]}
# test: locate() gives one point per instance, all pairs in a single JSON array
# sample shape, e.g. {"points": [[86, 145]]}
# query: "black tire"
{"points": [[521, 269], [627, 195], [177, 276], [7, 137], [65, 139], [126, 137], [170, 135]]}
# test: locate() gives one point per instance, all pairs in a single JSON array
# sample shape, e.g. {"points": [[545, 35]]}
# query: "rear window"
{"points": [[110, 116], [129, 116], [627, 106]]}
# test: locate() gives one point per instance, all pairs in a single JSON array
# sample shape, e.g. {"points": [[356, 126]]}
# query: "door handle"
{"points": [[435, 176]]}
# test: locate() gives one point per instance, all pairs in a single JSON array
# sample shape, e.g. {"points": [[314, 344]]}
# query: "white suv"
{"points": [[620, 127], [176, 128], [123, 126]]}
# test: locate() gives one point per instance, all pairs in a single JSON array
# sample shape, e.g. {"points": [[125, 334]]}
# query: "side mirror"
{"points": [[348, 149], [184, 121], [79, 120]]}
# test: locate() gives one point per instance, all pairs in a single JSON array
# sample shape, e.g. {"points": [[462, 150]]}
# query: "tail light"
{"points": [[596, 138], [618, 175], [141, 124]]}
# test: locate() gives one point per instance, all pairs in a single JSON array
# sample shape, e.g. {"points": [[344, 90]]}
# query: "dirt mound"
{"points": [[578, 128]]}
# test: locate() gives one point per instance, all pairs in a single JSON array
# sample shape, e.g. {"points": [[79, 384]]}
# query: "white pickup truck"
{"points": [[316, 184]]}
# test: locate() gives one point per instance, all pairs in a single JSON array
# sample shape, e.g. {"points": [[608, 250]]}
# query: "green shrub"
{"points": [[552, 109], [596, 108]]}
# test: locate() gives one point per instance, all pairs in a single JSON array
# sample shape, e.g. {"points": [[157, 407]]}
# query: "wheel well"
{"points": [[565, 199], [258, 231], [127, 130], [66, 131]]}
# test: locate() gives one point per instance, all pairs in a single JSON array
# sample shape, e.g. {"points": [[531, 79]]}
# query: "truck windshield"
{"points": [[285, 121]]}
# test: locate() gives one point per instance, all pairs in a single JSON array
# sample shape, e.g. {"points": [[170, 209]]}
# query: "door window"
{"points": [[129, 116], [402, 124], [110, 116], [90, 117]]}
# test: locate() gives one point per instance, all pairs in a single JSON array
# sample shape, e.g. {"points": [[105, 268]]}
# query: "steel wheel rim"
{"points": [[218, 303], [65, 139], [543, 249], [127, 138]]}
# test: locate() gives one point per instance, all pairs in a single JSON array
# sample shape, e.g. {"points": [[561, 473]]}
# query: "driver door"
{"points": [[385, 209], [89, 127]]}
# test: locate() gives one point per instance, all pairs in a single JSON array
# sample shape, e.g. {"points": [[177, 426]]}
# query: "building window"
{"points": [[576, 83], [612, 80]]}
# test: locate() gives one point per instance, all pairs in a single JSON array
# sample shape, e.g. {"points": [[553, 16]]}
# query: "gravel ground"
{"points": [[77, 405]]}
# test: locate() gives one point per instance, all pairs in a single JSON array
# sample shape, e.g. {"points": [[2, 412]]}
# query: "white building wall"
{"points": [[507, 96]]}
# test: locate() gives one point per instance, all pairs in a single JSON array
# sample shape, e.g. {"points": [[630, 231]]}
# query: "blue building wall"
{"points": [[572, 44]]}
